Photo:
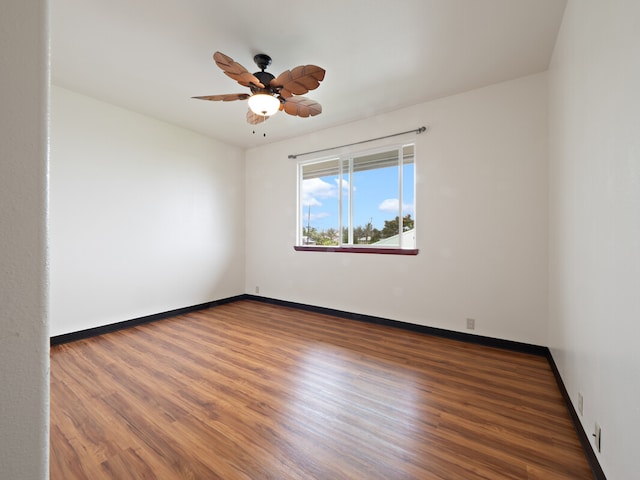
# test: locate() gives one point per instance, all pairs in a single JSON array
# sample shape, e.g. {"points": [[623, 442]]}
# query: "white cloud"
{"points": [[311, 202], [391, 205], [314, 189], [318, 216], [345, 184]]}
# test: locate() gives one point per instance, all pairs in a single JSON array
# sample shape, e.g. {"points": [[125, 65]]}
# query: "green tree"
{"points": [[323, 237], [366, 234], [376, 235], [332, 236], [391, 227], [360, 235], [328, 237]]}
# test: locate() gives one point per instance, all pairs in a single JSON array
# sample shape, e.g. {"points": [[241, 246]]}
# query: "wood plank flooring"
{"points": [[250, 390]]}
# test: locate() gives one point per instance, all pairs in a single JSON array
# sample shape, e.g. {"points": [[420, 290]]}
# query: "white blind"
{"points": [[331, 167]]}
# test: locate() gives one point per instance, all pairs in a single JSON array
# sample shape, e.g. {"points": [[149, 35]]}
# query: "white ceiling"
{"points": [[151, 56]]}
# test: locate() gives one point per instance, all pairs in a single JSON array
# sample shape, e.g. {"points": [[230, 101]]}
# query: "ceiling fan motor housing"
{"points": [[262, 60], [265, 78]]}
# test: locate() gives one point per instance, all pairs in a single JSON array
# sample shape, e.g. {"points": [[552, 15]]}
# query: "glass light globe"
{"points": [[263, 104]]}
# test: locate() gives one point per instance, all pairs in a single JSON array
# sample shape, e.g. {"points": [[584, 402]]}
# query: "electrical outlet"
{"points": [[471, 324], [597, 437], [257, 289], [580, 403]]}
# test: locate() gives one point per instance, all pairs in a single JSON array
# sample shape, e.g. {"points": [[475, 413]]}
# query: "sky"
{"points": [[375, 198]]}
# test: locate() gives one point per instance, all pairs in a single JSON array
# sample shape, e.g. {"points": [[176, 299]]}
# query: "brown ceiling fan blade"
{"points": [[236, 71], [254, 118], [227, 64], [299, 80], [302, 107], [246, 79], [227, 97]]}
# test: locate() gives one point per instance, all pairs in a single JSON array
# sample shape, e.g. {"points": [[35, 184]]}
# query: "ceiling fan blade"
{"points": [[302, 107], [227, 97], [299, 80], [236, 71], [254, 118]]}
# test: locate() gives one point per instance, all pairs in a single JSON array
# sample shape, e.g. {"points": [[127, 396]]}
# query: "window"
{"points": [[362, 201]]}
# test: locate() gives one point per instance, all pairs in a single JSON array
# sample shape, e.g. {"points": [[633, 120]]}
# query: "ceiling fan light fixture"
{"points": [[268, 93], [264, 104]]}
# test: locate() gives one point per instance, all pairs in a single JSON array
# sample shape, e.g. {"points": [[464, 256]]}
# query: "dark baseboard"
{"points": [[465, 337], [439, 332], [92, 332], [596, 469], [585, 441]]}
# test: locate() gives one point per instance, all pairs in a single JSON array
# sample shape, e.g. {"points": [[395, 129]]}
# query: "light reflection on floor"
{"points": [[349, 396]]}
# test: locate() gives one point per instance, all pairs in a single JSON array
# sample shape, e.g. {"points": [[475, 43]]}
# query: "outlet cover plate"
{"points": [[597, 433], [580, 403]]}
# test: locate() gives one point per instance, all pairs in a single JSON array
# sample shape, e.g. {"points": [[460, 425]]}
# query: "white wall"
{"points": [[481, 219], [145, 217], [594, 324], [24, 340]]}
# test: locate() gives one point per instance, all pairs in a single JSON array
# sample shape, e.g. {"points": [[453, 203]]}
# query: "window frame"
{"points": [[348, 157]]}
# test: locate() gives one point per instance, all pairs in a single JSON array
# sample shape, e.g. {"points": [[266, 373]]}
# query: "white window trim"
{"points": [[349, 155]]}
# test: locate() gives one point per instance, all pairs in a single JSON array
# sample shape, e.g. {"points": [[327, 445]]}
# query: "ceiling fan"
{"points": [[268, 93]]}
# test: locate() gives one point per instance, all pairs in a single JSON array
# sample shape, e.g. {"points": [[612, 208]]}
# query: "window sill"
{"points": [[383, 251]]}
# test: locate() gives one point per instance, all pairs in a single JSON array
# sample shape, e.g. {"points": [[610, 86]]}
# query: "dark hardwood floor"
{"points": [[250, 390]]}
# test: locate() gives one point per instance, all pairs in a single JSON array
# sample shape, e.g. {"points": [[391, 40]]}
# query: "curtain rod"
{"points": [[417, 130]]}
